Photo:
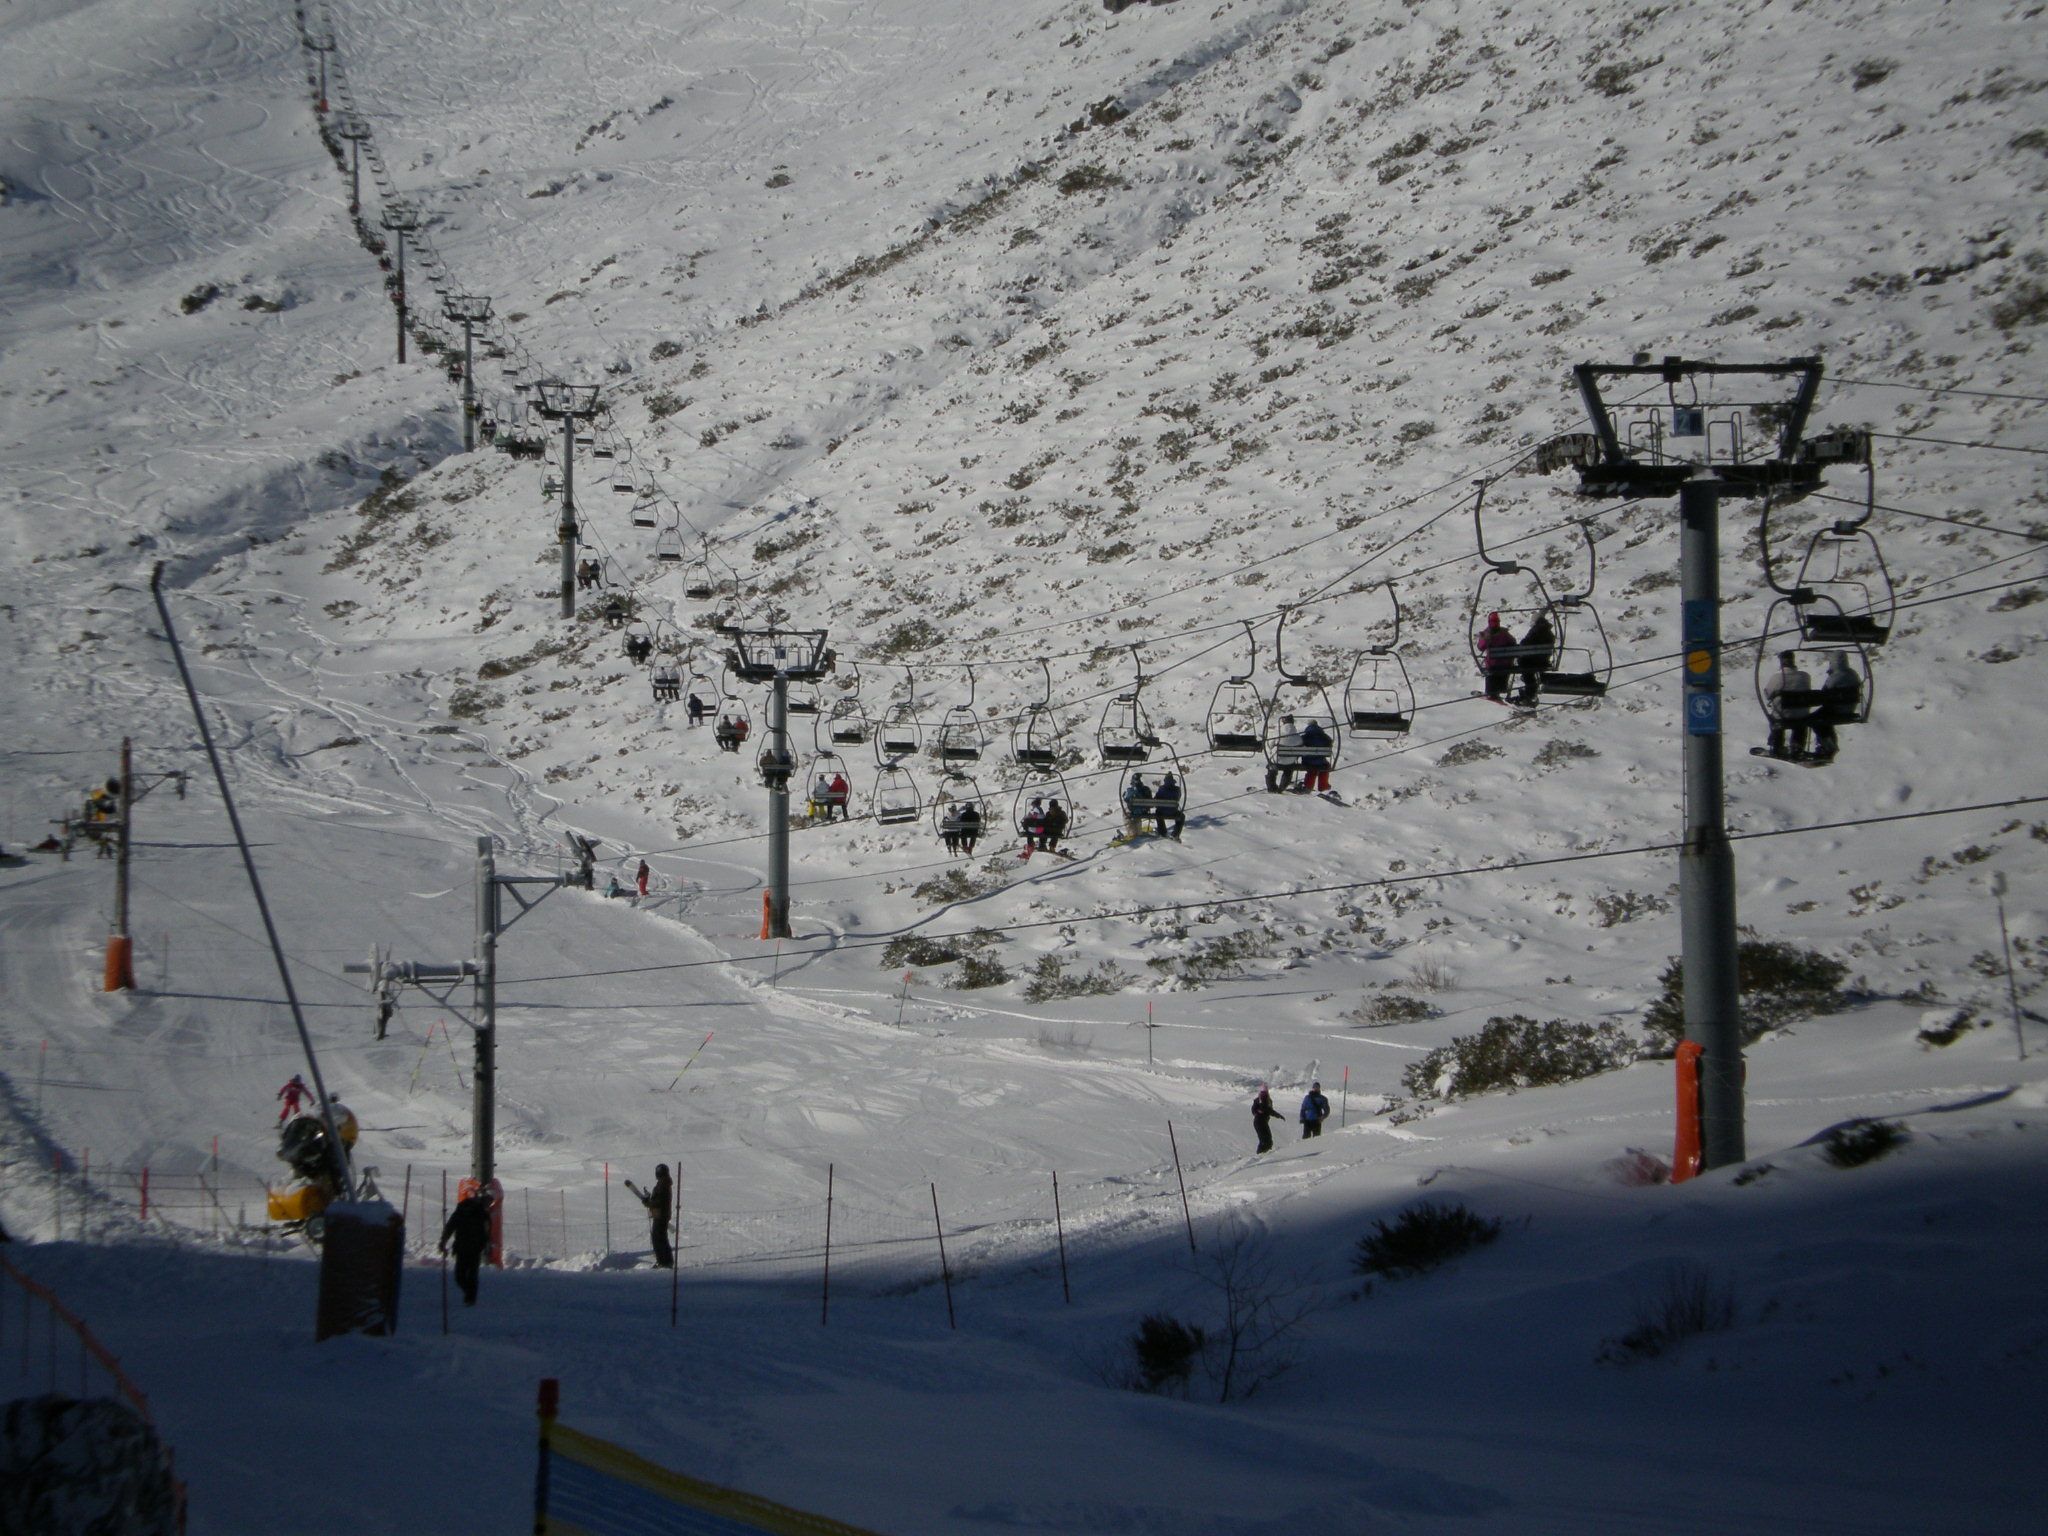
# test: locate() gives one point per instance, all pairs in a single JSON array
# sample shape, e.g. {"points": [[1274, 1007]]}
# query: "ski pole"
{"points": [[671, 1088]]}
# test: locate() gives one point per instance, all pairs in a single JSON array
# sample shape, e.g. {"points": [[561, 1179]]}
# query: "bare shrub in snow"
{"points": [[1422, 1238], [1687, 1301]]}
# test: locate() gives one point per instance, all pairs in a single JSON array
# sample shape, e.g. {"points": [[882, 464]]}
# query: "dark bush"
{"points": [[1688, 1302], [1518, 1052], [1421, 1238], [1865, 1141], [1778, 983], [1164, 1351]]}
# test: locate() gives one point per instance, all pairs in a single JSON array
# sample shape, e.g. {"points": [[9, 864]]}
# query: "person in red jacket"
{"points": [[1496, 647], [641, 876]]}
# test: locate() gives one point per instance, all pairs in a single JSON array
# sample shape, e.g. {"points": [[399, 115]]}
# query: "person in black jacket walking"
{"points": [[469, 1224], [659, 1200], [1263, 1116]]}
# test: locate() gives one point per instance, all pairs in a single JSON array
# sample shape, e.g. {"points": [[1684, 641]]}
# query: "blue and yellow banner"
{"points": [[590, 1487]]}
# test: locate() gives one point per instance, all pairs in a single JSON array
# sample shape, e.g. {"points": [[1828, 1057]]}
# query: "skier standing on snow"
{"points": [[641, 877], [1315, 1109], [1263, 1116], [469, 1224], [659, 1201], [293, 1093]]}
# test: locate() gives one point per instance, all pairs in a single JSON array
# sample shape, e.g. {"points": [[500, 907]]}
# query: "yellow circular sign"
{"points": [[1699, 663]]}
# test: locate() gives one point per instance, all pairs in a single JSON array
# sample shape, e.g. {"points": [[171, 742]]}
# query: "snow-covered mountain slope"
{"points": [[1050, 344]]}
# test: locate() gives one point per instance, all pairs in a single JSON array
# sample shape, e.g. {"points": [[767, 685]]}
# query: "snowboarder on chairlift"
{"points": [[294, 1093], [1842, 691], [469, 1224], [1263, 1116], [1533, 657], [1496, 645], [1788, 717], [1315, 1109]]}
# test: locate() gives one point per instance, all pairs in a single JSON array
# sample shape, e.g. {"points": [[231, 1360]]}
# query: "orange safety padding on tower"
{"points": [[120, 964], [767, 914], [1685, 1155]]}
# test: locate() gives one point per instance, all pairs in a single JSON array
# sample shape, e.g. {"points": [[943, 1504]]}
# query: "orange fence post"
{"points": [[767, 915], [120, 976], [1685, 1155]]}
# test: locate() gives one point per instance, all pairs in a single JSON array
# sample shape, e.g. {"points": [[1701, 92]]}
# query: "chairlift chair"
{"points": [[668, 545], [1379, 697], [700, 581], [824, 766], [1124, 734], [1850, 589], [639, 642], [647, 513], [957, 792], [667, 682], [1581, 660], [1237, 711], [802, 699], [1048, 788], [895, 799], [1517, 593], [961, 738], [899, 734], [845, 724], [776, 762], [1845, 703], [1150, 805], [1035, 734], [1299, 699]]}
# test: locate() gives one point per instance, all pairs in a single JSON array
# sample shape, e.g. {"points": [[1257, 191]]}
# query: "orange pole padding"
{"points": [[767, 914], [120, 964], [1685, 1155]]}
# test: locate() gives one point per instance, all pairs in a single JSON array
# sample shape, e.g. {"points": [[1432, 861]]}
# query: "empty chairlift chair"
{"points": [[961, 738], [1124, 734], [899, 735], [895, 799], [1237, 710]]}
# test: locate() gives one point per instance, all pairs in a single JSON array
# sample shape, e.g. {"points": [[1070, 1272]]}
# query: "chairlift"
{"points": [[602, 447], [895, 799], [1237, 711], [667, 681], [1138, 793], [1124, 734], [701, 581], [1516, 592], [668, 545], [1582, 661], [734, 724], [698, 692], [900, 735], [826, 766], [1841, 696], [1041, 793], [845, 723], [647, 512], [1035, 734], [961, 737], [1298, 702], [775, 762], [958, 809], [1379, 698], [1843, 592], [639, 642]]}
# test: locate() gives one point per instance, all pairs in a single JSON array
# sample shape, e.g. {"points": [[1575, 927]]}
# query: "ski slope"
{"points": [[943, 359]]}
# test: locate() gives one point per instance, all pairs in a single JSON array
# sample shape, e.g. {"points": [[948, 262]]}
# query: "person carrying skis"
{"points": [[469, 1226], [1315, 1109], [1263, 1116], [1496, 647], [294, 1093], [659, 1200]]}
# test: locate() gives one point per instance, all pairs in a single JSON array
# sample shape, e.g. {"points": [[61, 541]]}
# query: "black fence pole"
{"points": [[1186, 1214], [825, 1305], [675, 1266], [945, 1273], [1060, 1227]]}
